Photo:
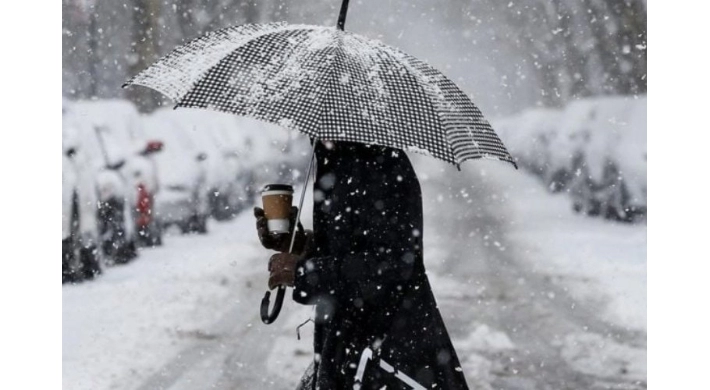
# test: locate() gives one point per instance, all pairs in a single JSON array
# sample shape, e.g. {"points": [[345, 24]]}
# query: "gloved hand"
{"points": [[281, 242], [282, 270]]}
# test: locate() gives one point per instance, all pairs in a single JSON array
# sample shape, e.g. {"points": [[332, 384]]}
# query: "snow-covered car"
{"points": [[144, 177], [102, 158], [208, 133], [204, 130], [237, 155], [81, 258], [229, 196], [269, 154], [610, 159], [118, 126], [258, 153], [594, 149], [183, 199]]}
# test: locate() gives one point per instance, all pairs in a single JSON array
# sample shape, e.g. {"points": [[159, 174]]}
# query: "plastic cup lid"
{"points": [[278, 187]]}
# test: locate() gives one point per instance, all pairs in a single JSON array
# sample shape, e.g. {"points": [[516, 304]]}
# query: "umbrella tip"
{"points": [[343, 14]]}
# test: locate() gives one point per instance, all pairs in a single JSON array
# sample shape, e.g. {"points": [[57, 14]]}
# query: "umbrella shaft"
{"points": [[303, 195], [343, 14]]}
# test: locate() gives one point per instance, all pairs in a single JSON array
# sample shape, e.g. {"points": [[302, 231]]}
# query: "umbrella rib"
{"points": [[422, 81], [461, 154], [330, 77], [207, 71], [400, 57], [278, 121], [181, 83]]}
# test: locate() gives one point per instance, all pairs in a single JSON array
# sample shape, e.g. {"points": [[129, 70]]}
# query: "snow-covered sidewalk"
{"points": [[118, 329]]}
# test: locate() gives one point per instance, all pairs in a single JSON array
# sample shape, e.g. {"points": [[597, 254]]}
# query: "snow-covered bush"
{"points": [[594, 149]]}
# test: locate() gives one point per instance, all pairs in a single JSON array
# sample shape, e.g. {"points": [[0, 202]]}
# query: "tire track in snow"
{"points": [[186, 369], [479, 277], [507, 294], [231, 354]]}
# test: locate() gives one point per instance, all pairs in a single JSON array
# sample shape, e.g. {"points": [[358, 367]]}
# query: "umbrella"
{"points": [[328, 84]]}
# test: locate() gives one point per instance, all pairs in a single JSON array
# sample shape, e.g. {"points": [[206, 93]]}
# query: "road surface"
{"points": [[513, 326]]}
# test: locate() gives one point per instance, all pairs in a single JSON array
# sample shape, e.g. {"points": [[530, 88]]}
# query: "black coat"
{"points": [[365, 274]]}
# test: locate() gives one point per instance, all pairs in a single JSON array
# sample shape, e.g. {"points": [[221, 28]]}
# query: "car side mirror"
{"points": [[152, 147], [201, 157], [231, 154], [116, 166]]}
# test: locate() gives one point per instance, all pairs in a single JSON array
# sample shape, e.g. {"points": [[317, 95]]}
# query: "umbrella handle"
{"points": [[267, 317]]}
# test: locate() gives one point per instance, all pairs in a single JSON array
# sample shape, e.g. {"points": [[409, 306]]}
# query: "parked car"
{"points": [[102, 158], [594, 149], [143, 170], [120, 128], [611, 156], [183, 200], [231, 154], [225, 135], [202, 129], [269, 153], [81, 257]]}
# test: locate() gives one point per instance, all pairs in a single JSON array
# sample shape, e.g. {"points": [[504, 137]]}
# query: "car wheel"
{"points": [[196, 224], [71, 264], [157, 236], [219, 206], [201, 225], [126, 252], [116, 245], [186, 227], [70, 271], [150, 235], [91, 262]]}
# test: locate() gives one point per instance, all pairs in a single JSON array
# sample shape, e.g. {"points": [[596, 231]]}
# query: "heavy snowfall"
{"points": [[539, 273]]}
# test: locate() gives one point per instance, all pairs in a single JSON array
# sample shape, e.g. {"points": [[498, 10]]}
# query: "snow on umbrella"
{"points": [[328, 84]]}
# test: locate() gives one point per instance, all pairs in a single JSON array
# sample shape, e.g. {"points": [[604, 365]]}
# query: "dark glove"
{"points": [[281, 242], [282, 270]]}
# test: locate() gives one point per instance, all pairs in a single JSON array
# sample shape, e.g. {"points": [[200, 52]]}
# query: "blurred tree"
{"points": [[618, 28], [75, 78], [564, 49], [144, 49], [575, 48]]}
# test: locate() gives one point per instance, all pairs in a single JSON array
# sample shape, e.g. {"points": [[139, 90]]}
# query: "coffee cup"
{"points": [[277, 199]]}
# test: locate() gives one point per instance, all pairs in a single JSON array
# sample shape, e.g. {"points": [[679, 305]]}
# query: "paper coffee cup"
{"points": [[277, 199]]}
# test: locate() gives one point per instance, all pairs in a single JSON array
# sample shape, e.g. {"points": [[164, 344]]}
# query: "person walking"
{"points": [[376, 319]]}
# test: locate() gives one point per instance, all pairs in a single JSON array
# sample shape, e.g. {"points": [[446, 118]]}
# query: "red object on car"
{"points": [[144, 206], [153, 147]]}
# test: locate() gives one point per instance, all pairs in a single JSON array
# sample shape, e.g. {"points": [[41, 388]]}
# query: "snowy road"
{"points": [[555, 340], [522, 313]]}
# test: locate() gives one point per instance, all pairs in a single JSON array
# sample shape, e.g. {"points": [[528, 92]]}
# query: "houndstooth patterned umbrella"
{"points": [[329, 84]]}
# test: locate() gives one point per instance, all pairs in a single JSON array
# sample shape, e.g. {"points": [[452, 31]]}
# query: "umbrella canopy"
{"points": [[328, 84]]}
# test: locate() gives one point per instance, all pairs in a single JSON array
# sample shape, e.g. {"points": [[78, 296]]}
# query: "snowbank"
{"points": [[594, 149]]}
